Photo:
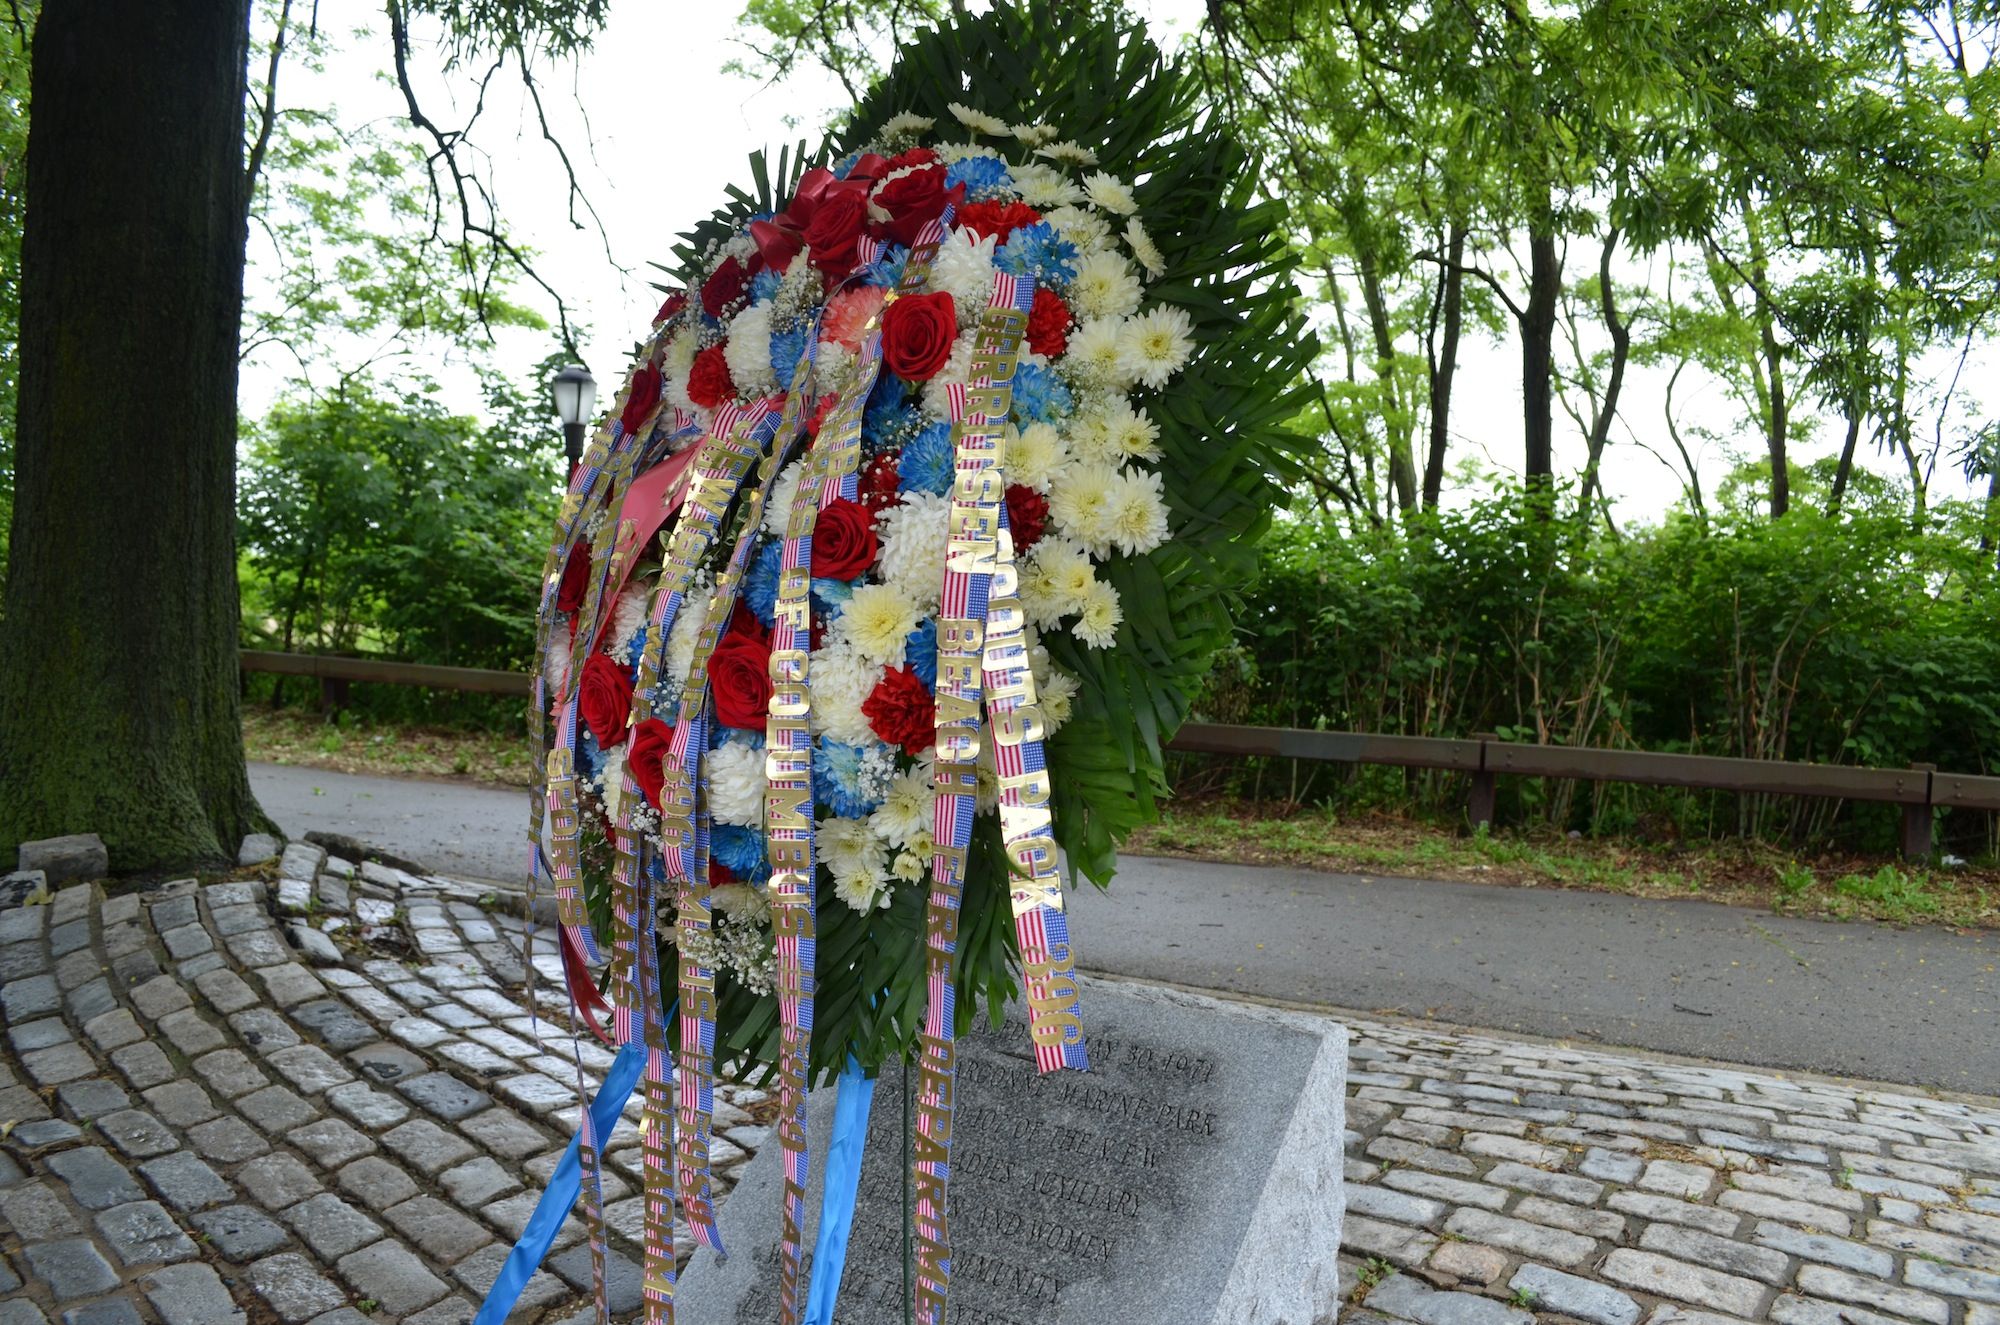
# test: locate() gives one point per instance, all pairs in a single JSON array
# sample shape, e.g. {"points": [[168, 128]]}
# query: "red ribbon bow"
{"points": [[779, 239]]}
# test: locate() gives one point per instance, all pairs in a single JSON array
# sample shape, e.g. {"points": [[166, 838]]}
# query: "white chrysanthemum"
{"points": [[1138, 513], [1043, 187], [1069, 152], [977, 120], [858, 861], [963, 269], [676, 364], [1097, 355], [986, 795], [935, 399], [748, 353], [743, 902], [906, 807], [907, 124], [778, 510], [736, 784], [1097, 625], [1110, 193], [1104, 286], [1144, 251], [1080, 501], [1085, 229], [1156, 344], [878, 622], [1062, 575], [908, 866], [1034, 455], [628, 614], [687, 626], [612, 779], [1034, 135], [1058, 696], [1130, 433], [861, 892], [914, 537], [950, 152], [832, 362], [841, 679]]}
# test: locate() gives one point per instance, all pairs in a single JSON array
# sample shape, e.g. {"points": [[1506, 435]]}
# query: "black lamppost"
{"points": [[575, 391]]}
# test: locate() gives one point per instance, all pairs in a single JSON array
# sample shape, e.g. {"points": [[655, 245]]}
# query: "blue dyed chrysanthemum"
{"points": [[637, 648], [760, 581], [887, 270], [979, 174], [830, 597], [740, 736], [1036, 250], [1039, 395], [840, 778], [920, 653], [845, 164], [741, 850], [926, 462], [764, 285], [786, 347], [587, 753], [884, 412]]}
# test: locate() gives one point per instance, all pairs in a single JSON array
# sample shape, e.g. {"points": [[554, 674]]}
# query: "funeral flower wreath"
{"points": [[907, 541]]}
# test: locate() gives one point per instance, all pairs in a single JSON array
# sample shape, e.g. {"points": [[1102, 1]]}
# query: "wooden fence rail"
{"points": [[1919, 789]]}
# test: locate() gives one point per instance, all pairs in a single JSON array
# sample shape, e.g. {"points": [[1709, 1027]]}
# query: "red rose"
{"points": [[650, 742], [743, 621], [604, 698], [993, 217], [880, 482], [641, 399], [739, 676], [1049, 322], [575, 578], [917, 332], [673, 304], [916, 156], [915, 200], [844, 542], [901, 711], [836, 226], [1027, 515], [708, 381], [725, 287], [869, 166]]}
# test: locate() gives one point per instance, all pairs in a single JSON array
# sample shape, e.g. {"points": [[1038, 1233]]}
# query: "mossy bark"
{"points": [[119, 699]]}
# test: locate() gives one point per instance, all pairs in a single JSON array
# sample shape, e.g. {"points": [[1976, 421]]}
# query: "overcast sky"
{"points": [[667, 131]]}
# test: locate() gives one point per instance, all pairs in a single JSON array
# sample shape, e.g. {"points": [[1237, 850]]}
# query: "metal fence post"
{"points": [[1917, 820], [1479, 804]]}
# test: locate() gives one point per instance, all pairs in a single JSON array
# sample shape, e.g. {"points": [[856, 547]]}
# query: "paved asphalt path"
{"points": [[1918, 1006]]}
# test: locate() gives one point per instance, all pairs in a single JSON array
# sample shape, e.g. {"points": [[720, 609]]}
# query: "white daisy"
{"points": [[1058, 696], [1131, 432], [1111, 193], [1034, 135], [977, 120], [1144, 251], [907, 124], [1069, 153], [1097, 625], [950, 152], [1156, 344], [1043, 187], [1137, 518]]}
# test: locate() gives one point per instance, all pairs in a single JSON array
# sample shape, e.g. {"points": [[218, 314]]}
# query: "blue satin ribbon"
{"points": [[856, 1094], [564, 1184]]}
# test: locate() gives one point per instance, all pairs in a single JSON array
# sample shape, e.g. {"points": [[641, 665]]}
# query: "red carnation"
{"points": [[1049, 322], [719, 874], [1027, 515], [651, 740], [880, 483], [993, 217], [836, 226], [641, 399], [844, 542], [915, 200], [575, 578], [725, 287], [917, 334], [709, 384], [604, 698], [739, 676], [901, 711]]}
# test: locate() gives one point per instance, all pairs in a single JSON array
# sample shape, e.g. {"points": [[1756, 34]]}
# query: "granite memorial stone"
{"points": [[1192, 1175]]}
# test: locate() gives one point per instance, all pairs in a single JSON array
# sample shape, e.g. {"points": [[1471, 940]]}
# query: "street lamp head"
{"points": [[575, 392]]}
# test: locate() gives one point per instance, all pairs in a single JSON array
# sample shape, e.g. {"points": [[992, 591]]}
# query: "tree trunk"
{"points": [[1443, 364], [1777, 416], [119, 698], [1844, 470], [1538, 326], [1607, 409], [1396, 420]]}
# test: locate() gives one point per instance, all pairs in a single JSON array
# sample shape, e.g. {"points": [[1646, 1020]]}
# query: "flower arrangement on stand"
{"points": [[908, 541]]}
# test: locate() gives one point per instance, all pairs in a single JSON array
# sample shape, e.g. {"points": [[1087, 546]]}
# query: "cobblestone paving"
{"points": [[1491, 1182], [321, 1098], [318, 1099]]}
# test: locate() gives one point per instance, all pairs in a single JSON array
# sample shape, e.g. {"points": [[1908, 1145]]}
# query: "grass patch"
{"points": [[1734, 872], [353, 745]]}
